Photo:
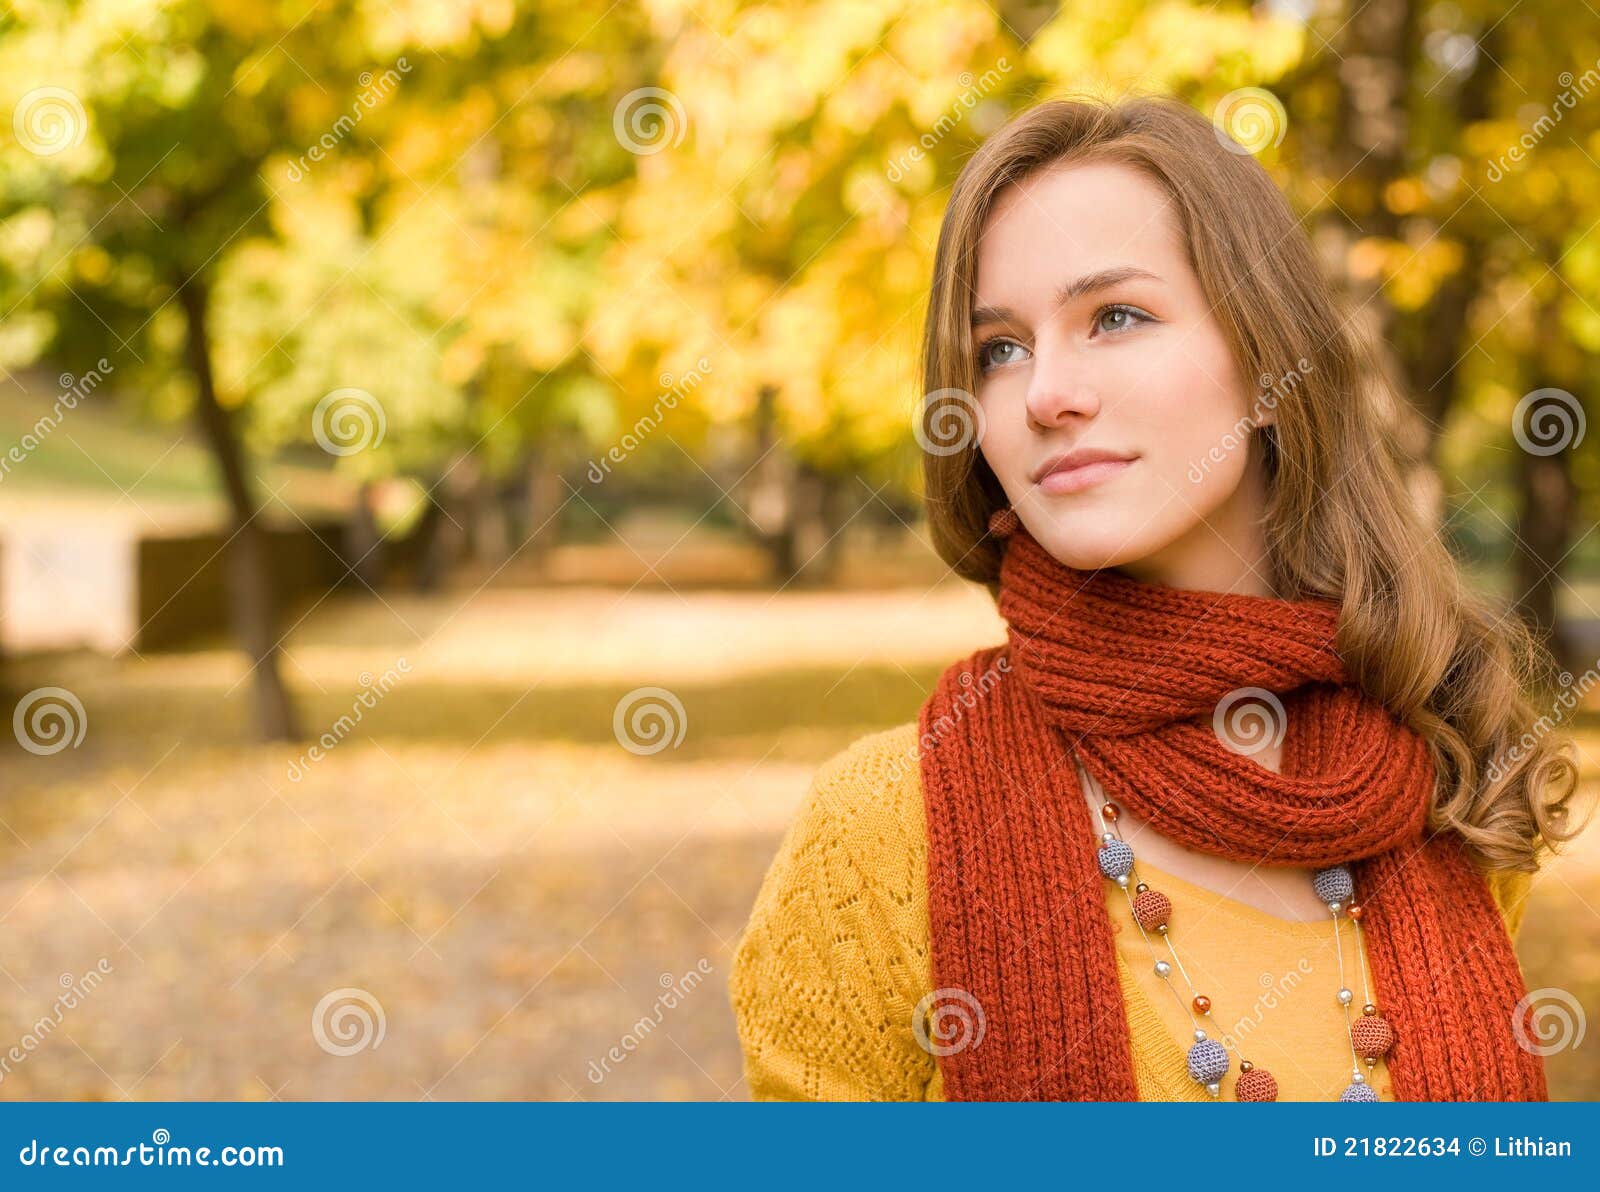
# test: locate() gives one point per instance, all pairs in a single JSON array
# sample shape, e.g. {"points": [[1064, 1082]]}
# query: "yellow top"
{"points": [[835, 959]]}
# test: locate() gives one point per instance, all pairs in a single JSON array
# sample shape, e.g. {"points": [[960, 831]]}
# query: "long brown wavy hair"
{"points": [[1340, 523]]}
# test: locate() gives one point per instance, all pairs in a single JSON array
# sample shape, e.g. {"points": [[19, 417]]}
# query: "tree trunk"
{"points": [[819, 517], [1372, 129], [794, 509], [1365, 151], [1546, 500], [422, 550], [252, 601], [539, 522], [446, 529], [492, 542], [1433, 343], [769, 490], [364, 540]]}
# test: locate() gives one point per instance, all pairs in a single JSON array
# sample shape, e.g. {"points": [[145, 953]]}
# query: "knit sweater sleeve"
{"points": [[834, 958]]}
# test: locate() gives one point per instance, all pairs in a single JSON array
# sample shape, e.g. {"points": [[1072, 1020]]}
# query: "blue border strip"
{"points": [[762, 1147]]}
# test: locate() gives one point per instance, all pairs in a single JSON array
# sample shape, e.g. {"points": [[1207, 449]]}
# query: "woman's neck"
{"points": [[1285, 892]]}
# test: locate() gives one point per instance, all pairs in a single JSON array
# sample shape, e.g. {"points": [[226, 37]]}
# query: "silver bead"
{"points": [[1199, 1036], [1107, 837], [1214, 1088], [1336, 907], [1334, 884], [1346, 997], [1163, 969], [1115, 858], [1123, 881], [1356, 1077]]}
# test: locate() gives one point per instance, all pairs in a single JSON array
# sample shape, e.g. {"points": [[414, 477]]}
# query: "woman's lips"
{"points": [[1071, 480]]}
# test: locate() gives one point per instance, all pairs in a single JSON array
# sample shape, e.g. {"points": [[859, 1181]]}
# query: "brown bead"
{"points": [[1111, 811], [1354, 911], [1255, 1085], [1140, 888], [1245, 1065], [1371, 1035], [1202, 1004], [1369, 1008], [1152, 908]]}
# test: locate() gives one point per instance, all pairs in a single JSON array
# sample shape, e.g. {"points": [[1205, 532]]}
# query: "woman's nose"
{"points": [[1057, 394]]}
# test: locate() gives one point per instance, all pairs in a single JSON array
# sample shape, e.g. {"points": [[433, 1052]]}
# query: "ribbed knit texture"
{"points": [[1130, 677], [834, 960]]}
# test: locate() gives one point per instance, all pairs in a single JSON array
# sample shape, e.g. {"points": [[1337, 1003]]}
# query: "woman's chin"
{"points": [[1090, 547]]}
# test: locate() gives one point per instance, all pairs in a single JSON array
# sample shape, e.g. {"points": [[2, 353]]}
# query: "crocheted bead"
{"points": [[1256, 1085], [1004, 522], [1371, 1035], [1116, 859], [1152, 909], [1358, 1092], [1208, 1061], [1334, 884]]}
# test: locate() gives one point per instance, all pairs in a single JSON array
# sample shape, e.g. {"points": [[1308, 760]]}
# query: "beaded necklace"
{"points": [[1370, 1036]]}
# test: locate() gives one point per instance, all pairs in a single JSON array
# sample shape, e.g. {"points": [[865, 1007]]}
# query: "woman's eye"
{"points": [[986, 350], [1118, 318]]}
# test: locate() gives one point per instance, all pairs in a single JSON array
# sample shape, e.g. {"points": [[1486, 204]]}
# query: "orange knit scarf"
{"points": [[1130, 676]]}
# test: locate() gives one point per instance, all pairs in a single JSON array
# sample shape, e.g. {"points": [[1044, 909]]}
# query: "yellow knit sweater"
{"points": [[835, 959]]}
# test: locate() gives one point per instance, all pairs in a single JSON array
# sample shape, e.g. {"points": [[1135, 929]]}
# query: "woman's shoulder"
{"points": [[861, 821], [835, 955], [877, 772]]}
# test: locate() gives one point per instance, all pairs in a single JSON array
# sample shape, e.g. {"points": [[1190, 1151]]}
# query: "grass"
{"points": [[99, 452]]}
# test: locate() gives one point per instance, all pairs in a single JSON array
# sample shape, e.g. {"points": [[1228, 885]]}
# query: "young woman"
{"points": [[1243, 807]]}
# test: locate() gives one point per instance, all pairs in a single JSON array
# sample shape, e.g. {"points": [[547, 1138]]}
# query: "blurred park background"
{"points": [[459, 476]]}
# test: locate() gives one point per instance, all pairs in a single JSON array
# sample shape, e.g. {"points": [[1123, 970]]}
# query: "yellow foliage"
{"points": [[1366, 258], [1404, 196], [93, 264]]}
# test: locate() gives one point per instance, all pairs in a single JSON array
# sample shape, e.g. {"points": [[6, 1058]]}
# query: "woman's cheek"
{"points": [[1214, 465], [1003, 435]]}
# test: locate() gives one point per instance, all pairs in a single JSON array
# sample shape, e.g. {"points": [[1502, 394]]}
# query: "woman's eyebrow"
{"points": [[1077, 288]]}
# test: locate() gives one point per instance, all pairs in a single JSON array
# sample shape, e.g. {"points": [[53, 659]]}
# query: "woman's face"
{"points": [[1093, 334]]}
